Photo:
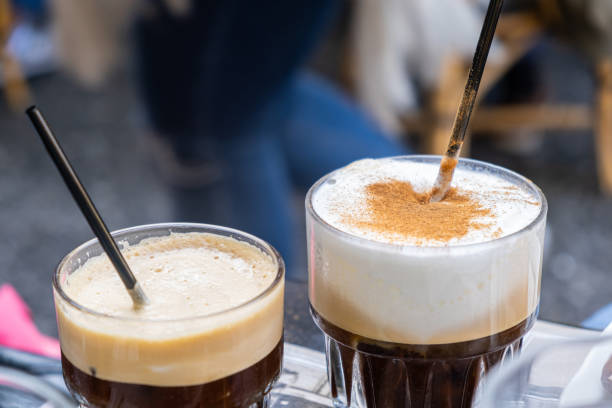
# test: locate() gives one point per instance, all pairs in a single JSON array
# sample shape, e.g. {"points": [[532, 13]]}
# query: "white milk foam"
{"points": [[432, 293], [168, 342], [511, 208]]}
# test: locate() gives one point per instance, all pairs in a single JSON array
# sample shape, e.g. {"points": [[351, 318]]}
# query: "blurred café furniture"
{"points": [[11, 76], [585, 25]]}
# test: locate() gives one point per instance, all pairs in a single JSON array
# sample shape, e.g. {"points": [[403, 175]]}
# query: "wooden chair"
{"points": [[518, 33]]}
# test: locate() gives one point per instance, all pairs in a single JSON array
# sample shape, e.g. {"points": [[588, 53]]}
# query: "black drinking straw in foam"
{"points": [[87, 206], [462, 118]]}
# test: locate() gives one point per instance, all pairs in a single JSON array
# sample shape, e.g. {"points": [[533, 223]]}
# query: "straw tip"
{"points": [[31, 109], [138, 296]]}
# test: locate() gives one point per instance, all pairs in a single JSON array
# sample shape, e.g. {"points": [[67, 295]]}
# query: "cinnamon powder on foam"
{"points": [[393, 208]]}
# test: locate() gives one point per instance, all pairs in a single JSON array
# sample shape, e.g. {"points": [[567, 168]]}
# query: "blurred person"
{"points": [[237, 123], [399, 48]]}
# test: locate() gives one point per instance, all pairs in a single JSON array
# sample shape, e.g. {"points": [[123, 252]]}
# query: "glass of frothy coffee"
{"points": [[212, 335], [417, 300]]}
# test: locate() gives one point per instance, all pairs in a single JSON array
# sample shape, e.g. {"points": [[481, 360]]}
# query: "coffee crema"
{"points": [[202, 324]]}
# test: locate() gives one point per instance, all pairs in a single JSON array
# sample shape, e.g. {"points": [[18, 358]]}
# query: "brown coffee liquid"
{"points": [[394, 375], [246, 388]]}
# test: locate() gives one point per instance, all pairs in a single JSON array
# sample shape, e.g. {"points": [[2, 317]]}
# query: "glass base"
{"points": [[369, 373], [363, 380]]}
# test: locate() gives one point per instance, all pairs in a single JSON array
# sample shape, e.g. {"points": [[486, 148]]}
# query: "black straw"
{"points": [[462, 119], [86, 205]]}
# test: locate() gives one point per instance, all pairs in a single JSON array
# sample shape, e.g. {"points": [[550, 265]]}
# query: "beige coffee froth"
{"points": [[192, 332]]}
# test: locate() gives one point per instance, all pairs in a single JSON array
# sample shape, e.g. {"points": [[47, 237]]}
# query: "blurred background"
{"points": [[226, 112]]}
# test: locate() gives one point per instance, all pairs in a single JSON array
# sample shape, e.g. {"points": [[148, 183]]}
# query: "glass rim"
{"points": [[424, 248], [211, 228]]}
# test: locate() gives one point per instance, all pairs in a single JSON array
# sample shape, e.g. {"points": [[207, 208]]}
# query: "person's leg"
{"points": [[325, 131], [210, 73], [259, 190], [253, 50], [211, 83], [168, 52], [252, 193]]}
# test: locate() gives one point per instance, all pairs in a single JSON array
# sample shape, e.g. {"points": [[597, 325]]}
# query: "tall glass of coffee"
{"points": [[212, 335], [417, 300]]}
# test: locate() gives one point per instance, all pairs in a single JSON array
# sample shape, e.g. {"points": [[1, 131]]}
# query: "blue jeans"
{"points": [[234, 96]]}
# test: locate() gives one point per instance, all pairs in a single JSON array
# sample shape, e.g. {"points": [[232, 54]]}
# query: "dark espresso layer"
{"points": [[394, 375], [245, 388]]}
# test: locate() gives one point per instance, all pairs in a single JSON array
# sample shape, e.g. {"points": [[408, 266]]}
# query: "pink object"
{"points": [[17, 330]]}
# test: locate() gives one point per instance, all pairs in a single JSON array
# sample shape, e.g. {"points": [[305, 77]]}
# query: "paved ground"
{"points": [[101, 132]]}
